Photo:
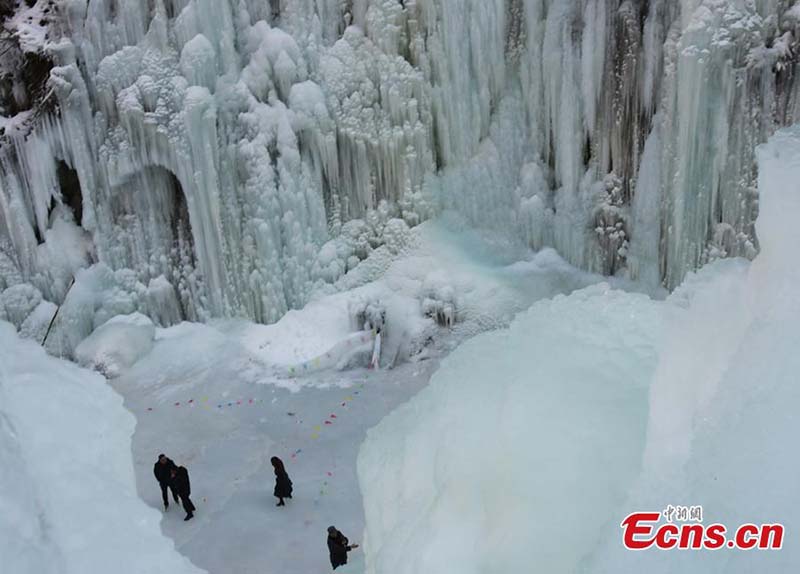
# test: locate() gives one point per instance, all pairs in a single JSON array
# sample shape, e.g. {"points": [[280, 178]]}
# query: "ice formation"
{"points": [[229, 158], [117, 344], [603, 403], [528, 423], [69, 503]]}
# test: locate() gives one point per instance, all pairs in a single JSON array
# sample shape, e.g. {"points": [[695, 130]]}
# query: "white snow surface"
{"points": [[218, 399], [603, 403], [68, 500]]}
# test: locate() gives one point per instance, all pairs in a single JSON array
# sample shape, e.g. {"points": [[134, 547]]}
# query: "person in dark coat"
{"points": [[163, 471], [180, 478], [338, 547], [283, 484]]}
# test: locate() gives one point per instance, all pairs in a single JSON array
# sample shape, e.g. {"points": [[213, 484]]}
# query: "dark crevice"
{"points": [[179, 221], [6, 8], [71, 194], [436, 146], [31, 73], [169, 6], [38, 234], [347, 16], [515, 30], [274, 11]]}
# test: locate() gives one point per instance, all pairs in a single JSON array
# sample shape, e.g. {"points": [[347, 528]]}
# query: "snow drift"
{"points": [[68, 501], [540, 451]]}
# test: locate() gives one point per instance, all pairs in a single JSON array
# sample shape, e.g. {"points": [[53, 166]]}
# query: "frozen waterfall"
{"points": [[199, 158], [601, 403]]}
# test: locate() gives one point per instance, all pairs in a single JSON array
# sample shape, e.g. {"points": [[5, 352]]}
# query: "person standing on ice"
{"points": [[338, 547], [180, 478], [283, 484], [163, 471]]}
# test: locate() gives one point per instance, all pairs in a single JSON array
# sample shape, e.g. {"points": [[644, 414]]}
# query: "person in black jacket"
{"points": [[283, 484], [163, 471], [338, 547], [180, 478]]}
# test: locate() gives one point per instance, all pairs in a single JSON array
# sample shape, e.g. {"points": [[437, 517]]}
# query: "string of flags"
{"points": [[205, 404], [332, 417], [327, 358]]}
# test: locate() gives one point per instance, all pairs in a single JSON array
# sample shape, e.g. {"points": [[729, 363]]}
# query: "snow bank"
{"points": [[539, 433], [117, 344], [541, 450], [68, 501]]}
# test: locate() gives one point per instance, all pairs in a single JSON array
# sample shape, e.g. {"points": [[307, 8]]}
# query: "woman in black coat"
{"points": [[338, 547], [283, 484]]}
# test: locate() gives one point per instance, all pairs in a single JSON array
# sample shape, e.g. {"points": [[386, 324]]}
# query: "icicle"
{"points": [[247, 152]]}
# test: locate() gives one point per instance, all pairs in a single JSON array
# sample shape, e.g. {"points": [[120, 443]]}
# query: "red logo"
{"points": [[643, 530]]}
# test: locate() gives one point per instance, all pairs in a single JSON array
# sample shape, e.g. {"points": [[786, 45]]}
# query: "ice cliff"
{"points": [[197, 158]]}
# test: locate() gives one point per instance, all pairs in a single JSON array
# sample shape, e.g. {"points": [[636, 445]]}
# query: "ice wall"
{"points": [[208, 150], [622, 133], [539, 435], [68, 500], [210, 162], [539, 456]]}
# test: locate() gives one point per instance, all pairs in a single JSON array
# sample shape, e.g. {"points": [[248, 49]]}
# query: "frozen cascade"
{"points": [[218, 158], [601, 403]]}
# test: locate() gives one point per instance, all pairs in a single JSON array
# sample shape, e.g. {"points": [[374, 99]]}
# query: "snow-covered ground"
{"points": [[218, 398], [216, 411]]}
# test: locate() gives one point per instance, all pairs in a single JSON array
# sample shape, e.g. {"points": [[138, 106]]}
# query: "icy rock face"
{"points": [[219, 145], [65, 442]]}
